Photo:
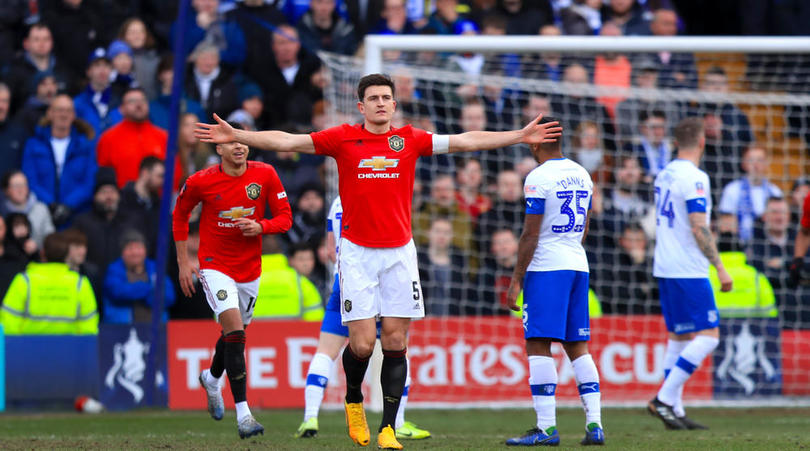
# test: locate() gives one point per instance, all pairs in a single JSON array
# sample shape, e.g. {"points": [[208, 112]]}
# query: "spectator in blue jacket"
{"points": [[129, 285], [60, 162], [205, 23], [321, 28], [97, 104]]}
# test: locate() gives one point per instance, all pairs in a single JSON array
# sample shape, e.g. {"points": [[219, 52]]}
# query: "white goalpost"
{"points": [[375, 45], [618, 99]]}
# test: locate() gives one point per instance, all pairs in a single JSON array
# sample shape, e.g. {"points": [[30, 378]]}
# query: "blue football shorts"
{"points": [[555, 305], [688, 305]]}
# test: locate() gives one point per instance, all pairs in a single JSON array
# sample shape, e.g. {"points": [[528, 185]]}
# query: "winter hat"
{"points": [[105, 176], [117, 47]]}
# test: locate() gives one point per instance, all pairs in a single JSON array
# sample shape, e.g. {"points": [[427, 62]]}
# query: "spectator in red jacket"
{"points": [[125, 145]]}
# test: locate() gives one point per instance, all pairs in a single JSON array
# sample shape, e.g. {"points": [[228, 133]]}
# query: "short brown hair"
{"points": [[688, 132], [74, 237], [55, 248], [374, 80]]}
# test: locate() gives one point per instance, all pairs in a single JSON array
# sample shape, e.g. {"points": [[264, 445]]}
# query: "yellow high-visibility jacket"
{"points": [[752, 294], [49, 299], [285, 294]]}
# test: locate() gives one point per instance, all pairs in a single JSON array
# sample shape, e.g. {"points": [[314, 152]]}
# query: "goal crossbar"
{"points": [[375, 45]]}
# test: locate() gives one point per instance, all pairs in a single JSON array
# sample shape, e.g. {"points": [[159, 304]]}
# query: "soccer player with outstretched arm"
{"points": [[684, 248], [234, 195], [332, 338], [377, 260], [552, 270]]}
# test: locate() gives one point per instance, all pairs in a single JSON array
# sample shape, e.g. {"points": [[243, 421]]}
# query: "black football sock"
{"points": [[355, 369], [235, 364], [392, 380], [218, 362]]}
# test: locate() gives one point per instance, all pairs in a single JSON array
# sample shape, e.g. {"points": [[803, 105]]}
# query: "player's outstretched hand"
{"points": [[535, 133], [187, 270], [726, 283], [512, 294], [249, 227], [218, 133]]}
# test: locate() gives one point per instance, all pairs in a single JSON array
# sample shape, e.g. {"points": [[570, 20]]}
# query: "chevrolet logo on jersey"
{"points": [[378, 163], [236, 213]]}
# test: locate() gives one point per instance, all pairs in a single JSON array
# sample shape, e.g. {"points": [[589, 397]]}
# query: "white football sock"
{"points": [[211, 380], [543, 383], [587, 378], [317, 377], [687, 363], [674, 349], [242, 411], [400, 420]]}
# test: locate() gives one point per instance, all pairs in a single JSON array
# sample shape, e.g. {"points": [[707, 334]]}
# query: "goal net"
{"points": [[617, 100]]}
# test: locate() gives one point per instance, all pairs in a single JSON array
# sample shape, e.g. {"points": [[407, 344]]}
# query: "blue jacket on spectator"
{"points": [[85, 109], [75, 186], [235, 49], [120, 295], [159, 110]]}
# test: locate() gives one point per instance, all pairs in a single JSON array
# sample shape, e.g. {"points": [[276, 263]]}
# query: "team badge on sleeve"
{"points": [[699, 188], [396, 143], [253, 191]]}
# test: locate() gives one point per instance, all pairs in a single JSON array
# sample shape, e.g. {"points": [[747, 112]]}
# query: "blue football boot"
{"points": [[536, 437], [594, 435]]}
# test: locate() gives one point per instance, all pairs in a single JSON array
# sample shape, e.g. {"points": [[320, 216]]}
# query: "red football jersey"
{"points": [[224, 199], [806, 212], [375, 180]]}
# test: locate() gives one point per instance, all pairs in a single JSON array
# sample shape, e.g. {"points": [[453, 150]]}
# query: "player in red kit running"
{"points": [[233, 195], [801, 245], [377, 259]]}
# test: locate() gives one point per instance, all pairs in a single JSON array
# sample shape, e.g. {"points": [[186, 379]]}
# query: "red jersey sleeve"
{"points": [[327, 142], [279, 205], [186, 201], [806, 212], [423, 141]]}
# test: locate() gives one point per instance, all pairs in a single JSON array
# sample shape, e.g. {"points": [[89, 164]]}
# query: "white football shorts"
{"points": [[223, 293], [379, 282]]}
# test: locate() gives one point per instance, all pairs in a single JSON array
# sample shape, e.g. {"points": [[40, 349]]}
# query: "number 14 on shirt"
{"points": [[663, 208]]}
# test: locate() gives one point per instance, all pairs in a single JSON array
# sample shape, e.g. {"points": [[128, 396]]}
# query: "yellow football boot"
{"points": [[356, 421], [387, 439]]}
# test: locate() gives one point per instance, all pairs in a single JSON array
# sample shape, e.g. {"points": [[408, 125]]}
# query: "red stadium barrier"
{"points": [[474, 360], [795, 362]]}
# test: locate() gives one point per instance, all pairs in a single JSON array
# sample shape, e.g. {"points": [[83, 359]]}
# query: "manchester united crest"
{"points": [[396, 143], [253, 191], [222, 295]]}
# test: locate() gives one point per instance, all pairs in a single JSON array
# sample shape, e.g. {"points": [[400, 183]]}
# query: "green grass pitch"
{"points": [[626, 429]]}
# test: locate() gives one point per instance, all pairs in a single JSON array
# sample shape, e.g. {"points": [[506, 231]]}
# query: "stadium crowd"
{"points": [[85, 89]]}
